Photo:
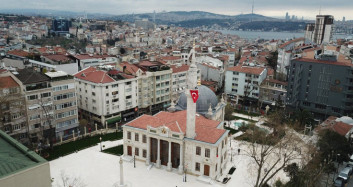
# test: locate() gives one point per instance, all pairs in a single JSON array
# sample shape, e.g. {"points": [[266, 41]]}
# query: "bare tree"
{"points": [[48, 117], [67, 181], [272, 153]]}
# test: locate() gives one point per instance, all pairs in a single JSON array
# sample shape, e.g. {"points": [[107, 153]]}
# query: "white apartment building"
{"points": [[106, 96], [285, 54], [244, 80]]}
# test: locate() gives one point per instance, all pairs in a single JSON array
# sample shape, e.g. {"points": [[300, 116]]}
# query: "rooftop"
{"points": [[8, 82], [206, 130], [29, 76], [15, 157], [247, 69]]}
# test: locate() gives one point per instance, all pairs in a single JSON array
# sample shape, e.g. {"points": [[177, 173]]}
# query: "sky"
{"points": [[278, 8]]}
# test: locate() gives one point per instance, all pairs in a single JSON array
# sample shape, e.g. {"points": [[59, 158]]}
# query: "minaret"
{"points": [[191, 106]]}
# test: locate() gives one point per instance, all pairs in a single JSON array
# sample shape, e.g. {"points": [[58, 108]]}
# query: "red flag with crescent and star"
{"points": [[194, 95]]}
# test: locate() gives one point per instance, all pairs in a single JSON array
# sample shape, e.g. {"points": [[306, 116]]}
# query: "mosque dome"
{"points": [[206, 97]]}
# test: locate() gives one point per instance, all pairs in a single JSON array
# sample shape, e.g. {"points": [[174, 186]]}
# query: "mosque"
{"points": [[189, 137]]}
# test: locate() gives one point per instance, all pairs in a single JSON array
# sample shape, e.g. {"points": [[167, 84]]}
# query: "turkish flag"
{"points": [[194, 95]]}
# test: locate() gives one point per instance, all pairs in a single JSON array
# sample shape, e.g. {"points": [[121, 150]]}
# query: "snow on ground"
{"points": [[97, 169]]}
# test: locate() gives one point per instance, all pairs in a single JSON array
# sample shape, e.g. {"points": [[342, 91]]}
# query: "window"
{"points": [[128, 97], [197, 166], [144, 139], [48, 94], [198, 150], [93, 93], [93, 86], [144, 153], [136, 137], [129, 135], [33, 117], [16, 127], [114, 93], [36, 125], [106, 87], [137, 151], [207, 153], [32, 97], [115, 100]]}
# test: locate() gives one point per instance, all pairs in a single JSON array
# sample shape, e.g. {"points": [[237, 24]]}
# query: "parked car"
{"points": [[344, 174], [350, 166], [338, 182]]}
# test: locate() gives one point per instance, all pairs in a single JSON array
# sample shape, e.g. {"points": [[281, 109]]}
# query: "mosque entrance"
{"points": [[175, 155], [164, 152], [154, 147]]}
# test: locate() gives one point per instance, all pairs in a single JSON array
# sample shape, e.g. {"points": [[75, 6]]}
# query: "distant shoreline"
{"points": [[276, 35]]}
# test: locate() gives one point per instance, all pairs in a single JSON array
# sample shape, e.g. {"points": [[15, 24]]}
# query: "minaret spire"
{"points": [[191, 105]]}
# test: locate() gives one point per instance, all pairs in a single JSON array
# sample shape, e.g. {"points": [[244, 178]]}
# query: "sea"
{"points": [[274, 35]]}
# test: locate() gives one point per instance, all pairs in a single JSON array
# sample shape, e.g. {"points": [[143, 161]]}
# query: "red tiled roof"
{"points": [[324, 62], [277, 82], [342, 128], [18, 52], [170, 58], [177, 69], [87, 56], [58, 58], [91, 74], [130, 68], [247, 69], [8, 82], [291, 41], [337, 126], [206, 130]]}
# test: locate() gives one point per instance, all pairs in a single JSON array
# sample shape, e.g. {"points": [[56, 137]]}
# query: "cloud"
{"points": [[338, 8]]}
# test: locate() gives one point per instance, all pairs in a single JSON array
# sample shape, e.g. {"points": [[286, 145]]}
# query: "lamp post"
{"points": [[231, 154], [134, 162], [100, 139]]}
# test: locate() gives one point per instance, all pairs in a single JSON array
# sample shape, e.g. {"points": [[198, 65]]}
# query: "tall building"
{"points": [[321, 31], [287, 16], [323, 86], [183, 141], [61, 26]]}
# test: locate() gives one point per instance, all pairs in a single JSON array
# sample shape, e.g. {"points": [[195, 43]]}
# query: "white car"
{"points": [[344, 174]]}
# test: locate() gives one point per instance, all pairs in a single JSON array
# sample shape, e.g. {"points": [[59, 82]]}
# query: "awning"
{"points": [[113, 120]]}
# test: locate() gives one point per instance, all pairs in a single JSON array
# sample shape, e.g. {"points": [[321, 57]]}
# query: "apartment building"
{"points": [[154, 85], [106, 96], [244, 81], [64, 103], [39, 104], [285, 54], [322, 86], [12, 108]]}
